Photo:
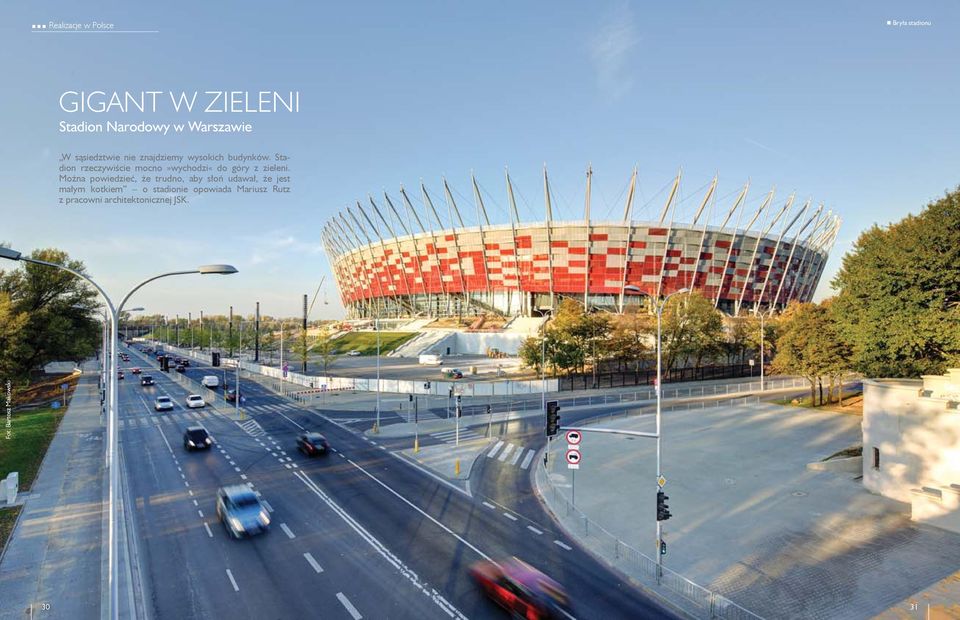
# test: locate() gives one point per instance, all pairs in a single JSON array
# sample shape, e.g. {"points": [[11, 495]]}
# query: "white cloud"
{"points": [[610, 50]]}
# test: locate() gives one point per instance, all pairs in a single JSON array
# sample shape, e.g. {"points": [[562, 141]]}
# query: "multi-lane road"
{"points": [[359, 533]]}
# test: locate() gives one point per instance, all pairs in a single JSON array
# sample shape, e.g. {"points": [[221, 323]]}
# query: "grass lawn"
{"points": [[8, 517], [31, 434], [852, 403], [366, 342]]}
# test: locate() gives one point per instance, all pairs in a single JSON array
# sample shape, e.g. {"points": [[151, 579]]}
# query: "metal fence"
{"points": [[647, 376], [709, 604]]}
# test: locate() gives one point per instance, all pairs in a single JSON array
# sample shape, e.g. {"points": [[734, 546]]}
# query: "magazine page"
{"points": [[479, 310]]}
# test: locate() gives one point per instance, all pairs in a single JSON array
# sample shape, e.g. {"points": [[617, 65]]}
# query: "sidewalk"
{"points": [[53, 556]]}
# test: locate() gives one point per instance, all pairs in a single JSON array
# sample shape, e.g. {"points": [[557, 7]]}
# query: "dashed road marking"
{"points": [[509, 516], [207, 526], [233, 581], [534, 530], [348, 606], [286, 530], [200, 512], [313, 562], [562, 545], [489, 505], [267, 505]]}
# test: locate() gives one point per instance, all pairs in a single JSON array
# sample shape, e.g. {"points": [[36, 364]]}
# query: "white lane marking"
{"points": [[421, 511], [191, 493], [185, 483], [236, 469], [243, 476], [392, 559], [232, 463], [509, 516], [209, 533], [266, 505], [341, 455], [506, 451], [233, 581], [200, 512], [489, 505], [286, 530], [526, 460], [516, 457], [447, 483], [313, 562], [287, 465], [562, 545], [195, 503], [348, 606], [493, 452], [534, 530], [291, 421], [273, 454]]}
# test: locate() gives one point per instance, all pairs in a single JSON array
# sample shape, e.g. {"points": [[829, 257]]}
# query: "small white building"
{"points": [[911, 444]]}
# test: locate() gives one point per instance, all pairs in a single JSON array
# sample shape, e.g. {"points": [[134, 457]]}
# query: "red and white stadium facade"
{"points": [[413, 265]]}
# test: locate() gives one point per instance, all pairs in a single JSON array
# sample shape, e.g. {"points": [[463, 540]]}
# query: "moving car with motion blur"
{"points": [[312, 443], [163, 403], [521, 589], [240, 511], [135, 370], [119, 374], [180, 368], [196, 438], [195, 401], [146, 380], [231, 396], [210, 381]]}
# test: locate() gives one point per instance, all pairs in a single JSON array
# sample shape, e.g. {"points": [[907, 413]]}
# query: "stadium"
{"points": [[397, 257]]}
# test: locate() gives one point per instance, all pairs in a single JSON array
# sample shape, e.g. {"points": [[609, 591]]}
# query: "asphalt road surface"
{"points": [[358, 533]]}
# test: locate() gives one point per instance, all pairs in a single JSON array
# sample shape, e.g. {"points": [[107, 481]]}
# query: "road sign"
{"points": [[661, 481], [574, 437], [64, 386], [750, 361], [573, 459]]}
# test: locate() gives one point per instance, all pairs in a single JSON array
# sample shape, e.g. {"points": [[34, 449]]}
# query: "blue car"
{"points": [[241, 512]]}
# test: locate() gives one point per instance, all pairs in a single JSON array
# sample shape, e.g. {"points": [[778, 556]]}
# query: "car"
{"points": [[353, 353], [119, 374], [231, 396], [180, 368], [196, 438], [146, 380], [163, 403], [135, 370], [521, 589], [312, 444], [210, 381], [195, 401], [185, 362], [159, 356], [241, 512]]}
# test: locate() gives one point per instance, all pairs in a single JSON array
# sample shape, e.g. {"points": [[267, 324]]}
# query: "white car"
{"points": [[353, 353], [195, 401], [210, 381], [163, 403]]}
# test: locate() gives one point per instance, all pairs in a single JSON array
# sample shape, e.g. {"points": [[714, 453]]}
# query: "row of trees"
{"points": [[694, 333], [46, 315]]}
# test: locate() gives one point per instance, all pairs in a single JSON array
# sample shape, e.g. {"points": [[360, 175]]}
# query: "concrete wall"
{"points": [[473, 343], [918, 438]]}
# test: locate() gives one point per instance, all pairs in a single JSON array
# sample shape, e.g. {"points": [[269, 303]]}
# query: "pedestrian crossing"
{"points": [[451, 436], [512, 454], [252, 428], [171, 418], [267, 409]]}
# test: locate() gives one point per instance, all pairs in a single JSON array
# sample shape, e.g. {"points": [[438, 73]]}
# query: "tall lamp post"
{"points": [[659, 305], [113, 610]]}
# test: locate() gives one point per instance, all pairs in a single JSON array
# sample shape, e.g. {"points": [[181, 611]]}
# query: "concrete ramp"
{"points": [[426, 342], [526, 325]]}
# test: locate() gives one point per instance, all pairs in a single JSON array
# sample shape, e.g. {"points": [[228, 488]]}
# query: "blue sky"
{"points": [[824, 99]]}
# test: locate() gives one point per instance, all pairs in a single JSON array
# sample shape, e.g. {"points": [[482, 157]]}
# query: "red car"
{"points": [[521, 589]]}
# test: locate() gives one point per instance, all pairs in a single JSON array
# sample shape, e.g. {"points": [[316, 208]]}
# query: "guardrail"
{"points": [[634, 562]]}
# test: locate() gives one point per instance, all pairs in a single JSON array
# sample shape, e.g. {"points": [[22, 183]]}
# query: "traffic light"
{"points": [[663, 511], [426, 385], [459, 408], [165, 364], [410, 397], [215, 358], [553, 418], [489, 409]]}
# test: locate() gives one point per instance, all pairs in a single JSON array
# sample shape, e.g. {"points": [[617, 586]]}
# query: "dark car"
{"points": [[521, 589], [119, 374], [180, 368], [240, 511], [196, 438], [135, 370], [312, 444], [231, 396], [146, 380], [185, 362]]}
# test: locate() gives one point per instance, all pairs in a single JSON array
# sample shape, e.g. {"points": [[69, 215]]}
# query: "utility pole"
{"points": [[230, 333], [303, 342], [256, 337]]}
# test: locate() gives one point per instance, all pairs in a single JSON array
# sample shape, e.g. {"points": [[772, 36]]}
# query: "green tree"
{"points": [[692, 329], [899, 294], [324, 346], [13, 346], [810, 345]]}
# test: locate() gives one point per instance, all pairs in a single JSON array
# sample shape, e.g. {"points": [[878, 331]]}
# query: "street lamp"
{"points": [[659, 307], [112, 435]]}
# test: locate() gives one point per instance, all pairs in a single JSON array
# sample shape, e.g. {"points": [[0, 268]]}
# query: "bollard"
{"points": [[456, 467], [416, 445], [11, 482]]}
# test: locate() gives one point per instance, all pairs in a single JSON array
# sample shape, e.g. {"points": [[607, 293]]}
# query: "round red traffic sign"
{"points": [[573, 457], [574, 437]]}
